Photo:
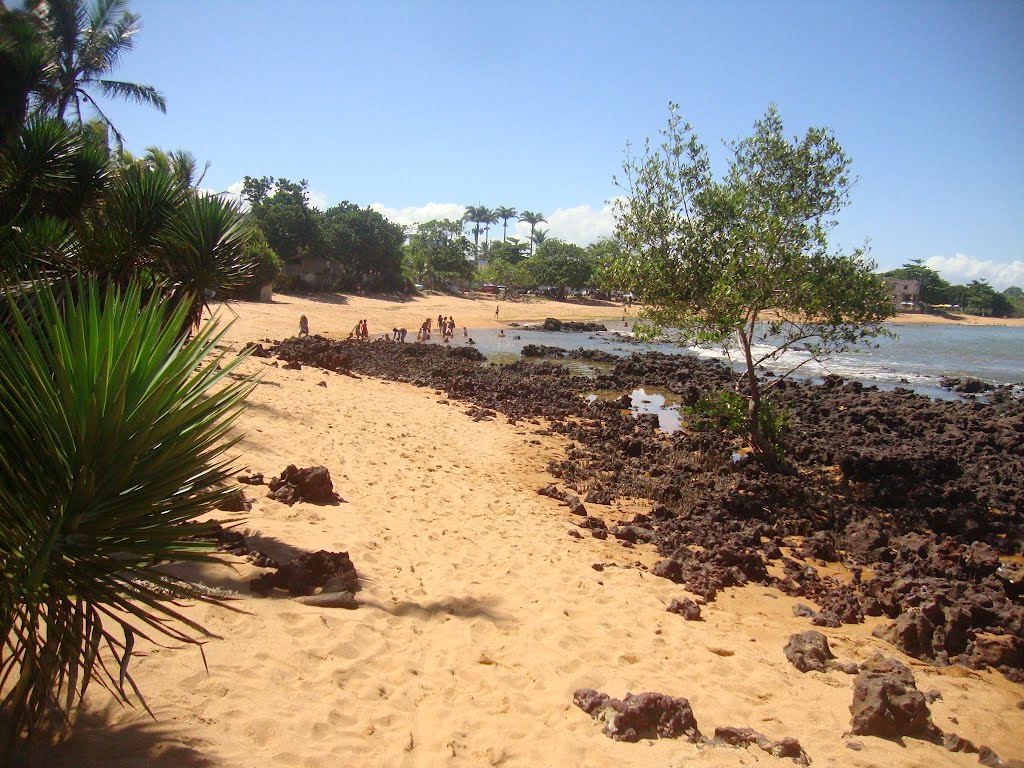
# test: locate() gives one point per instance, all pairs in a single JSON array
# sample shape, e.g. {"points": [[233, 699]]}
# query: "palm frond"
{"points": [[206, 241], [115, 442], [143, 94], [127, 232]]}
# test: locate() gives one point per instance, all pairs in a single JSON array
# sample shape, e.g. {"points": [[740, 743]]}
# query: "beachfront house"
{"points": [[906, 294]]}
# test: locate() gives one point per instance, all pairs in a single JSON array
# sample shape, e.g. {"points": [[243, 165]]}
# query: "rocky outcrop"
{"points": [[310, 484], [310, 571], [809, 651], [572, 326], [742, 737], [886, 702], [686, 608], [639, 716]]}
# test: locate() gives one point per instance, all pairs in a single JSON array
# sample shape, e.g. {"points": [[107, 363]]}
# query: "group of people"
{"points": [[360, 332], [445, 326]]}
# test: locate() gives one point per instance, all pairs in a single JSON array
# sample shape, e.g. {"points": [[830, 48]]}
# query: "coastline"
{"points": [[480, 615], [334, 315], [920, 318]]}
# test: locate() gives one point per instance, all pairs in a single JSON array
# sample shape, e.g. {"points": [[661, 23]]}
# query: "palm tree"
{"points": [[533, 219], [476, 214], [179, 163], [538, 237], [505, 213], [70, 210], [490, 217], [86, 47], [26, 65]]}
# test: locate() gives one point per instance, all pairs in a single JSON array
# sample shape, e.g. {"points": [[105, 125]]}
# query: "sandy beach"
{"points": [[920, 318], [480, 616]]}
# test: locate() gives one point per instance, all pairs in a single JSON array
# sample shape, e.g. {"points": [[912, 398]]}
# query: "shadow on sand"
{"points": [[95, 740], [460, 607]]}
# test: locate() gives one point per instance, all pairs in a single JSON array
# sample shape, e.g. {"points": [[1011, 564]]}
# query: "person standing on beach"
{"points": [[366, 333], [496, 308], [303, 326]]}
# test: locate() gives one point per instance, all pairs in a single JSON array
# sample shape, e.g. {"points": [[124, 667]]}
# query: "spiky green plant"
{"points": [[114, 440]]}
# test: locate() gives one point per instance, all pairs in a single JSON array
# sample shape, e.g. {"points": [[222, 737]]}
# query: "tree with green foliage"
{"points": [[438, 254], [1014, 296], [934, 288], [87, 45], [476, 215], [601, 253], [26, 66], [266, 268], [283, 213], [70, 210], [980, 298], [505, 213], [512, 275], [533, 219], [490, 218], [365, 245], [179, 163], [560, 265], [512, 250], [744, 261]]}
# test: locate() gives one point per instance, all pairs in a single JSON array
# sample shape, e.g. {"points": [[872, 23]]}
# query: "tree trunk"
{"points": [[758, 443]]}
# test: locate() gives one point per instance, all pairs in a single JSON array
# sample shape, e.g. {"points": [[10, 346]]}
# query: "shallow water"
{"points": [[661, 403], [917, 359]]}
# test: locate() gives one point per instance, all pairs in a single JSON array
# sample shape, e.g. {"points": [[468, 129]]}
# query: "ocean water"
{"points": [[917, 359]]}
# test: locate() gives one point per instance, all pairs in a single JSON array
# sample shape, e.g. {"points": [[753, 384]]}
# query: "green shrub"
{"points": [[724, 409], [266, 267], [113, 445], [727, 410]]}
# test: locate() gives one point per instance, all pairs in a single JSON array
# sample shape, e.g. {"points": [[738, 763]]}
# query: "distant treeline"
{"points": [[976, 298]]}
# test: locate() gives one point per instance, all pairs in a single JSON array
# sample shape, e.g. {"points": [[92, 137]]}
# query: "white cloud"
{"points": [[235, 190], [420, 214], [318, 200], [960, 269], [581, 224]]}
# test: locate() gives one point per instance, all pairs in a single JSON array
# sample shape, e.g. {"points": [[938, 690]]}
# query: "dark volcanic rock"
{"points": [[741, 737], [312, 484], [256, 350], [686, 608], [886, 702], [551, 324], [598, 496], [809, 651], [639, 716], [309, 571], [235, 501]]}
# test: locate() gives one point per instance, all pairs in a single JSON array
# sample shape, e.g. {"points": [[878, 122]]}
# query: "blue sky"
{"points": [[421, 108]]}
